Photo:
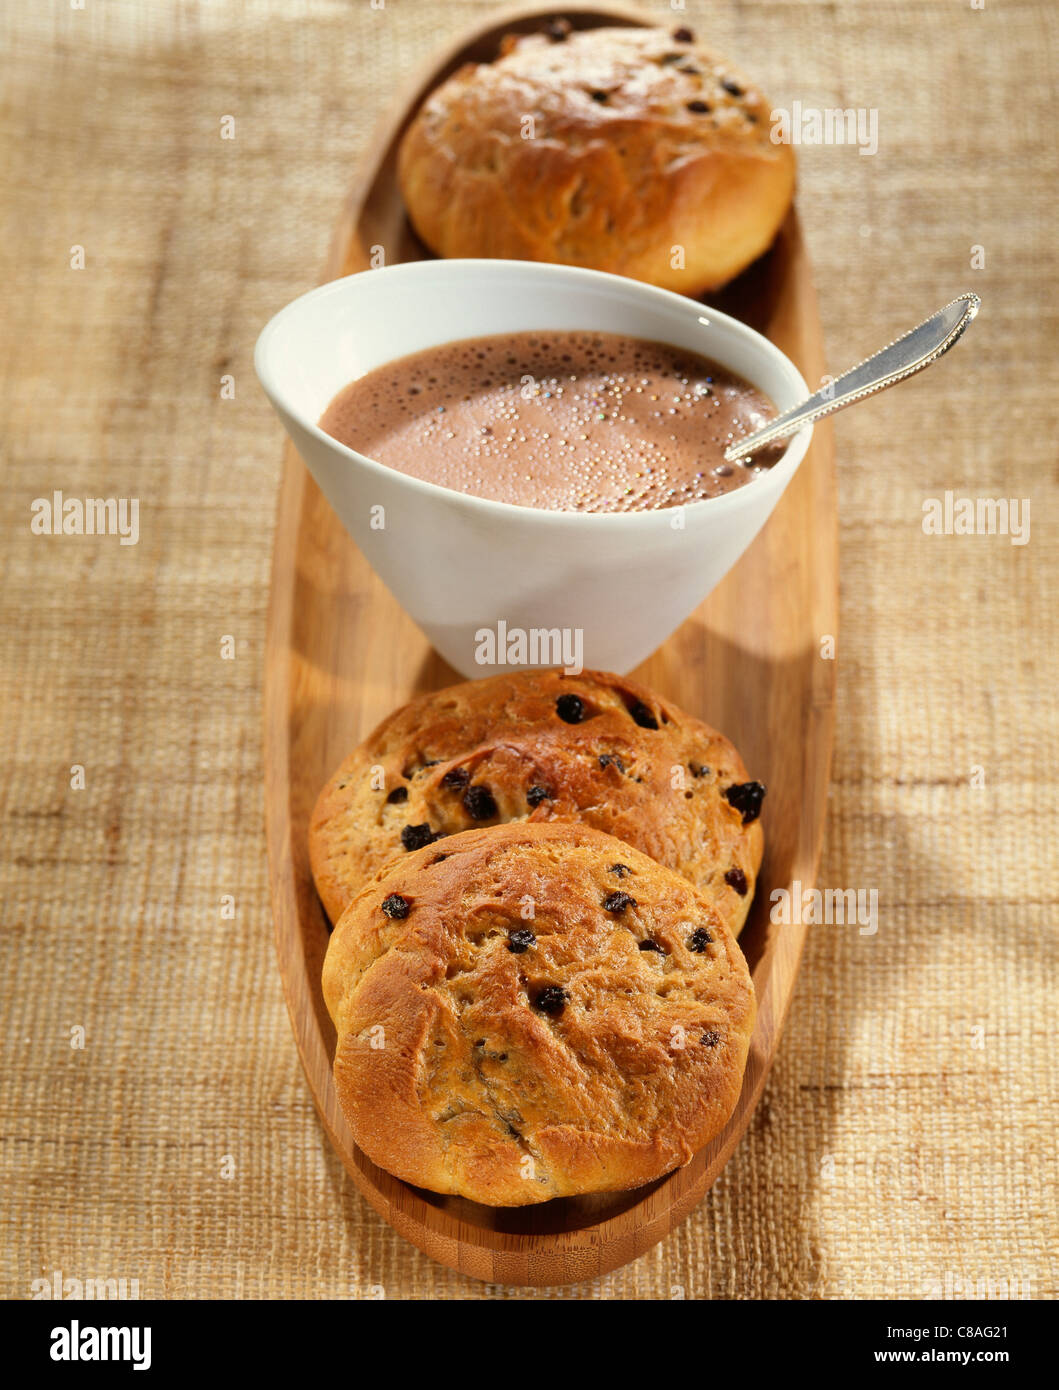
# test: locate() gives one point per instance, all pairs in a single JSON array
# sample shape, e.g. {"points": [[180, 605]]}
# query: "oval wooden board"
{"points": [[341, 654]]}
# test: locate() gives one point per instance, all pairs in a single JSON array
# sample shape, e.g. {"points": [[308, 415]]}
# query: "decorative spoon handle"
{"points": [[903, 358]]}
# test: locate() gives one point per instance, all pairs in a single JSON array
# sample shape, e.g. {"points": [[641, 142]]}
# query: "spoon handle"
{"points": [[903, 358]]}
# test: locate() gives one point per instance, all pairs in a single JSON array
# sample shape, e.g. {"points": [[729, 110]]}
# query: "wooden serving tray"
{"points": [[341, 654]]}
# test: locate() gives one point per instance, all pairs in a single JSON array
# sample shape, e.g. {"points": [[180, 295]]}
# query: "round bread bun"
{"points": [[504, 749], [636, 151], [535, 1011]]}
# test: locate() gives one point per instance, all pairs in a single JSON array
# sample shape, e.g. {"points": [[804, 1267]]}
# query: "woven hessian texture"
{"points": [[905, 1144]]}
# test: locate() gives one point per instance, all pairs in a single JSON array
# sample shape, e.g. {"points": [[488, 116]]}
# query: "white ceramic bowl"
{"points": [[462, 565]]}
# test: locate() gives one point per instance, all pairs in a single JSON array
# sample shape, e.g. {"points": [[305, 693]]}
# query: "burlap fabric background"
{"points": [[906, 1143]]}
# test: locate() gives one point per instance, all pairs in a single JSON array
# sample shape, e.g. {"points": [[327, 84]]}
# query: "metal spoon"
{"points": [[903, 358]]}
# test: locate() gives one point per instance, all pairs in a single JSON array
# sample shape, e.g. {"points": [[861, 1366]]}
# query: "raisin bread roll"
{"points": [[542, 746], [634, 150], [535, 1011]]}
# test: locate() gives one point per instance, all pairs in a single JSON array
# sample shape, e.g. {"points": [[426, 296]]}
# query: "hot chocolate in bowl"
{"points": [[462, 564], [583, 422]]}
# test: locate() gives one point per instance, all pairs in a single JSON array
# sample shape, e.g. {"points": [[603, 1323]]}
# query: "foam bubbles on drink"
{"points": [[609, 423]]}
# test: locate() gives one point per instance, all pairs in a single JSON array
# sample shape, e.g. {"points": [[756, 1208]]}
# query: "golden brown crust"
{"points": [[660, 789], [456, 1068], [623, 166]]}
